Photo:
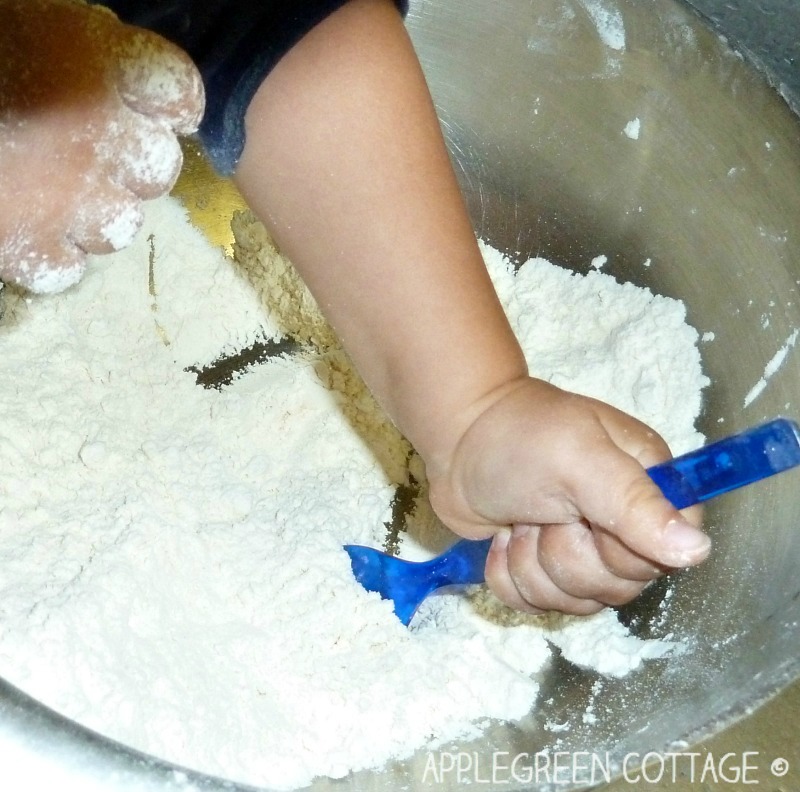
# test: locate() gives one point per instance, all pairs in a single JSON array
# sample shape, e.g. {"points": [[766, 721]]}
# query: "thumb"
{"points": [[629, 506]]}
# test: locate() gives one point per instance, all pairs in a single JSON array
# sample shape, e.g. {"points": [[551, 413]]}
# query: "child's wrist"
{"points": [[440, 448]]}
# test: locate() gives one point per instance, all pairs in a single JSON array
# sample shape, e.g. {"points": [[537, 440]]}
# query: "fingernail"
{"points": [[501, 540], [520, 529], [684, 544]]}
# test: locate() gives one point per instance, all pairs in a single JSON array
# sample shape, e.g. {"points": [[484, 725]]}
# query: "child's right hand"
{"points": [[559, 480], [89, 112]]}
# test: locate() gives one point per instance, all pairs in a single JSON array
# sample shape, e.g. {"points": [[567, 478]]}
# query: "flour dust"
{"points": [[171, 571]]}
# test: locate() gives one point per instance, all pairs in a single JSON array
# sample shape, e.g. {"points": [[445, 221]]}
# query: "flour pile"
{"points": [[171, 571]]}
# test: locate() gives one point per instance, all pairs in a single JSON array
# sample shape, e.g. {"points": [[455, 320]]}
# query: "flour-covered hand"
{"points": [[559, 480], [89, 113]]}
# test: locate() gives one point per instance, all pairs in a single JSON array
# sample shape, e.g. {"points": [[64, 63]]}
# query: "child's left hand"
{"points": [[89, 112]]}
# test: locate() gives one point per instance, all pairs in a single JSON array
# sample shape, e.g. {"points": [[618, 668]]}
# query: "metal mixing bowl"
{"points": [[702, 206]]}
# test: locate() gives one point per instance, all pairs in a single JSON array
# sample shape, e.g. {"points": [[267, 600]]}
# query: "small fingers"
{"points": [[517, 578], [639, 441], [626, 502], [107, 221], [158, 79], [620, 560], [47, 269], [647, 523], [498, 577], [141, 154], [569, 556], [652, 528]]}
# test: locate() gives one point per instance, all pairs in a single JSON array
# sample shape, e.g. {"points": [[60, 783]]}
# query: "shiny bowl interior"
{"points": [[701, 206]]}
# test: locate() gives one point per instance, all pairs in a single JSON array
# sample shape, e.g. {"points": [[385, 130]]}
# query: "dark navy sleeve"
{"points": [[235, 44]]}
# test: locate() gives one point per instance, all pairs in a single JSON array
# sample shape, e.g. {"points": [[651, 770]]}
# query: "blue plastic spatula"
{"points": [[685, 480]]}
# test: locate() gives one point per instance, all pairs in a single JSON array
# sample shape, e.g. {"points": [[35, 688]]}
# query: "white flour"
{"points": [[771, 368], [171, 570], [608, 21]]}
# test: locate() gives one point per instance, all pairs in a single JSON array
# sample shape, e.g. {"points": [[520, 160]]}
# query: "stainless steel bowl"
{"points": [[534, 98]]}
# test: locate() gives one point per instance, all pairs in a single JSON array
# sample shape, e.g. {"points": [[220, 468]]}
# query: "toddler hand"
{"points": [[559, 480], [89, 112]]}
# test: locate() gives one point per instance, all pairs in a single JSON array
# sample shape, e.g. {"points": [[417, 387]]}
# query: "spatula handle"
{"points": [[729, 463]]}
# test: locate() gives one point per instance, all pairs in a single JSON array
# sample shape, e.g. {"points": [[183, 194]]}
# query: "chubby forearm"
{"points": [[345, 162]]}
